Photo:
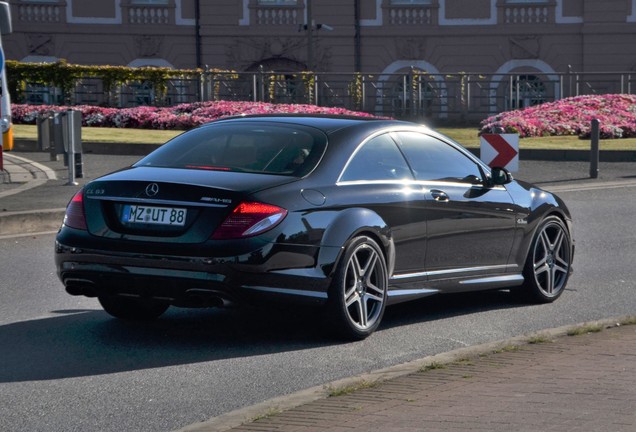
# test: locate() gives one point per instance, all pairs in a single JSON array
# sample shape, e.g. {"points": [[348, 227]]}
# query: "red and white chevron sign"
{"points": [[500, 150]]}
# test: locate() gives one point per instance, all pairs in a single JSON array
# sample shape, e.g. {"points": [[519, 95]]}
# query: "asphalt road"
{"points": [[66, 365]]}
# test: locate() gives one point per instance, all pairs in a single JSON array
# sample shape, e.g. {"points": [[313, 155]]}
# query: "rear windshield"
{"points": [[246, 147]]}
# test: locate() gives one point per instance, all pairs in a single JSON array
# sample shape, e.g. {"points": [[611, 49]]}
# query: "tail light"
{"points": [[249, 219], [75, 216]]}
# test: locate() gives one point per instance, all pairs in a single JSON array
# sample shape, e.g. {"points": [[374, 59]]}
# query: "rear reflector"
{"points": [[75, 217], [249, 219]]}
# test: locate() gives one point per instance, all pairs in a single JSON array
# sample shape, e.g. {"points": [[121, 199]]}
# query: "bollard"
{"points": [[57, 136], [70, 119], [594, 152], [42, 127]]}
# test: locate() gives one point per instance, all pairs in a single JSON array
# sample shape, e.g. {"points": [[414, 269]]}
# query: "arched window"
{"points": [[414, 93], [524, 91]]}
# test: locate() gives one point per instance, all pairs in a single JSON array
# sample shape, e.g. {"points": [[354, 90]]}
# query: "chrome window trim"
{"points": [[424, 131], [424, 183]]}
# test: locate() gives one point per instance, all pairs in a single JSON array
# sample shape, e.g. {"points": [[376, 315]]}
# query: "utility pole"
{"points": [[310, 42], [356, 38], [197, 34]]}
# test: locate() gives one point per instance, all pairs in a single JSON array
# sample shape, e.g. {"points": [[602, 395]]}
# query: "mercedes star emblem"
{"points": [[152, 189]]}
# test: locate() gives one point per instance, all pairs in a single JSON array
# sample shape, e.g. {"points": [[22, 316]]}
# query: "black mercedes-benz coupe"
{"points": [[352, 214]]}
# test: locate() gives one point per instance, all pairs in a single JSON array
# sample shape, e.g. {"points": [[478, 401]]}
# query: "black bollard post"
{"points": [[594, 152]]}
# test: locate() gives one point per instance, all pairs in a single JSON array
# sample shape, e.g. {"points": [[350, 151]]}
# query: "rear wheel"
{"points": [[134, 309], [548, 264], [358, 292]]}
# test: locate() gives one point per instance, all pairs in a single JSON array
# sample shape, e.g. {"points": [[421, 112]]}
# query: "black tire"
{"points": [[549, 261], [133, 309], [358, 292]]}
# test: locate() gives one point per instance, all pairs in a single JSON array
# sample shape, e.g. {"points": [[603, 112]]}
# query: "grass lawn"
{"points": [[465, 136], [95, 134]]}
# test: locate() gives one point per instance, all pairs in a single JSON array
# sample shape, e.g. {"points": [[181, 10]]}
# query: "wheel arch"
{"points": [[540, 205], [351, 223], [566, 218], [534, 224]]}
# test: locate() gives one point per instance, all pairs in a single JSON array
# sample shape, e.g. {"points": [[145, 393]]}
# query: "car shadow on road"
{"points": [[89, 342]]}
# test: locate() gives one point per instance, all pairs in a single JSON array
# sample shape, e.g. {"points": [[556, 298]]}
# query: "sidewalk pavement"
{"points": [[557, 382], [548, 381]]}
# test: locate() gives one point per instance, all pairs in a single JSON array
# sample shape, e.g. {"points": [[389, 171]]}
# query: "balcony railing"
{"points": [[277, 15], [539, 13], [150, 14], [34, 12], [410, 15]]}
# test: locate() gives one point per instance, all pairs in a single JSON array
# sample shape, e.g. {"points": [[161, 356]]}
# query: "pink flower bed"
{"points": [[180, 117], [572, 116]]}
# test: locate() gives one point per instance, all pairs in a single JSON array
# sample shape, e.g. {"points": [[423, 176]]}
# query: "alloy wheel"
{"points": [[365, 287], [551, 259]]}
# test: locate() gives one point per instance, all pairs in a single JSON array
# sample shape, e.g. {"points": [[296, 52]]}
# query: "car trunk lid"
{"points": [[177, 205]]}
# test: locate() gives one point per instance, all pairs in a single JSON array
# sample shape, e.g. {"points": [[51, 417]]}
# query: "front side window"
{"points": [[378, 159], [434, 160]]}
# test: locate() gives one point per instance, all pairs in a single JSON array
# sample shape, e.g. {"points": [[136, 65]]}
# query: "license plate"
{"points": [[154, 215]]}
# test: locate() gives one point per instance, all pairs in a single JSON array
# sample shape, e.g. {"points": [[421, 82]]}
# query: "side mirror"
{"points": [[500, 176], [5, 18]]}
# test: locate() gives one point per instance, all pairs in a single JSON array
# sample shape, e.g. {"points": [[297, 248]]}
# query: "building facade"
{"points": [[543, 43]]}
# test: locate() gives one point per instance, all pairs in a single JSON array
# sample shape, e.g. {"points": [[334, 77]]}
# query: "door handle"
{"points": [[439, 195]]}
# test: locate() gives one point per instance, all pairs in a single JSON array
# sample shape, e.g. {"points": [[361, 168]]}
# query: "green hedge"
{"points": [[64, 76]]}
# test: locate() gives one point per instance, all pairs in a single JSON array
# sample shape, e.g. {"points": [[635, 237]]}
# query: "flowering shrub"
{"points": [[179, 117], [572, 116]]}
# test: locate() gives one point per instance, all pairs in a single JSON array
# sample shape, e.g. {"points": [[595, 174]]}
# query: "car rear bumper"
{"points": [[194, 281]]}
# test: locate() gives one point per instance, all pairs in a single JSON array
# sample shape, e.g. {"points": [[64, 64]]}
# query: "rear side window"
{"points": [[378, 159], [244, 147]]}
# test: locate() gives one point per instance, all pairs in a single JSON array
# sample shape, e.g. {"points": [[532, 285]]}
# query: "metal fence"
{"points": [[459, 97]]}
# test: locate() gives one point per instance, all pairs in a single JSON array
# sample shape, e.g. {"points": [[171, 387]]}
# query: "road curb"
{"points": [[238, 417], [28, 222]]}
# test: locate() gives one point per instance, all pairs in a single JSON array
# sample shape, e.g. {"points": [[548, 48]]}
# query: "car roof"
{"points": [[325, 122]]}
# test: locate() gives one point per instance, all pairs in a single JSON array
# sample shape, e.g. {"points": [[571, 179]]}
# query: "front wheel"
{"points": [[549, 260], [133, 309], [358, 292]]}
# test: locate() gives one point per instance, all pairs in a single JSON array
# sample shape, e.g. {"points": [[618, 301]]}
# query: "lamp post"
{"points": [[197, 32], [310, 26], [310, 42]]}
